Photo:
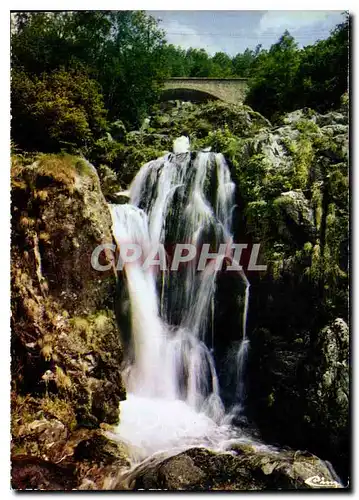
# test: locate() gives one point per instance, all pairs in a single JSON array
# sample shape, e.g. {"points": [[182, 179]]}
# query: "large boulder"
{"points": [[33, 473], [244, 468], [82, 460], [328, 395]]}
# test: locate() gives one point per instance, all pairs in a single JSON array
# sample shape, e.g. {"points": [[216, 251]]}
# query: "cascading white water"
{"points": [[171, 379], [181, 145], [149, 336]]}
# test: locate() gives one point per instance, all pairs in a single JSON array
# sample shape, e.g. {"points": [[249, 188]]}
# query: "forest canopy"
{"points": [[75, 73]]}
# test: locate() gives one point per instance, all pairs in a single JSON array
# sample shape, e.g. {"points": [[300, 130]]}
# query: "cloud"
{"points": [[305, 26], [185, 36], [274, 20], [232, 32]]}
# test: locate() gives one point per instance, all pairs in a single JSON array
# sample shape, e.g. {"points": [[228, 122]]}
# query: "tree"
{"points": [[58, 110], [221, 65], [242, 63], [133, 67], [286, 78], [105, 44], [271, 86], [322, 76], [176, 61], [199, 63]]}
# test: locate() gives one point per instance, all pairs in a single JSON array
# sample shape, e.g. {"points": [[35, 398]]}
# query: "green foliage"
{"points": [[197, 63], [58, 110], [243, 63], [322, 77], [241, 120], [286, 78], [125, 158], [221, 65], [219, 140], [317, 201], [206, 121], [105, 151], [302, 154], [273, 78], [105, 45], [176, 61], [307, 127], [26, 409]]}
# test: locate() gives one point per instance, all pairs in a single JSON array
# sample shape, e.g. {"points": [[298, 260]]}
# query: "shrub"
{"points": [[56, 111]]}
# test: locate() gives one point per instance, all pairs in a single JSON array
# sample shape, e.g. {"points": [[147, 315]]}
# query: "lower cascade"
{"points": [[174, 391]]}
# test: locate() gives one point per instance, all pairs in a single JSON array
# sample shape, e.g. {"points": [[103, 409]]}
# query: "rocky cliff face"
{"points": [[292, 184], [66, 352], [293, 189], [292, 197]]}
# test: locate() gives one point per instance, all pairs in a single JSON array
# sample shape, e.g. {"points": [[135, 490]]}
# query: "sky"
{"points": [[233, 31]]}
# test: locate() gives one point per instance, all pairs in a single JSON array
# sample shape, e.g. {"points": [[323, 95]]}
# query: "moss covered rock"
{"points": [[303, 232], [292, 197], [244, 469], [66, 351]]}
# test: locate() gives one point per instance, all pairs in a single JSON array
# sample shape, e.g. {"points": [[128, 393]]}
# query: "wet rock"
{"points": [[180, 473], [100, 450], [300, 114], [335, 129], [299, 216], [292, 184], [95, 456], [119, 198], [105, 400], [176, 473], [31, 473], [46, 437], [333, 117], [247, 468], [110, 184], [328, 397]]}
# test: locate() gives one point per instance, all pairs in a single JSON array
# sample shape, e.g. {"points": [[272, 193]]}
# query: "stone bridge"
{"points": [[231, 90]]}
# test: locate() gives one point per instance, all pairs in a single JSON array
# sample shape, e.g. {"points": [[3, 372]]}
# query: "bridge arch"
{"points": [[231, 90], [187, 94]]}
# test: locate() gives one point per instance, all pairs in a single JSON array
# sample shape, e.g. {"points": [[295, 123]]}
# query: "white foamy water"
{"points": [[170, 374], [154, 425], [181, 145]]}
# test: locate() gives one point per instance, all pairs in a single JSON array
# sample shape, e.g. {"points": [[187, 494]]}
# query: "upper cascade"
{"points": [[181, 145]]}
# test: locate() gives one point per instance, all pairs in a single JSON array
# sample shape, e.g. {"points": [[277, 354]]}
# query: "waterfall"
{"points": [[170, 372]]}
